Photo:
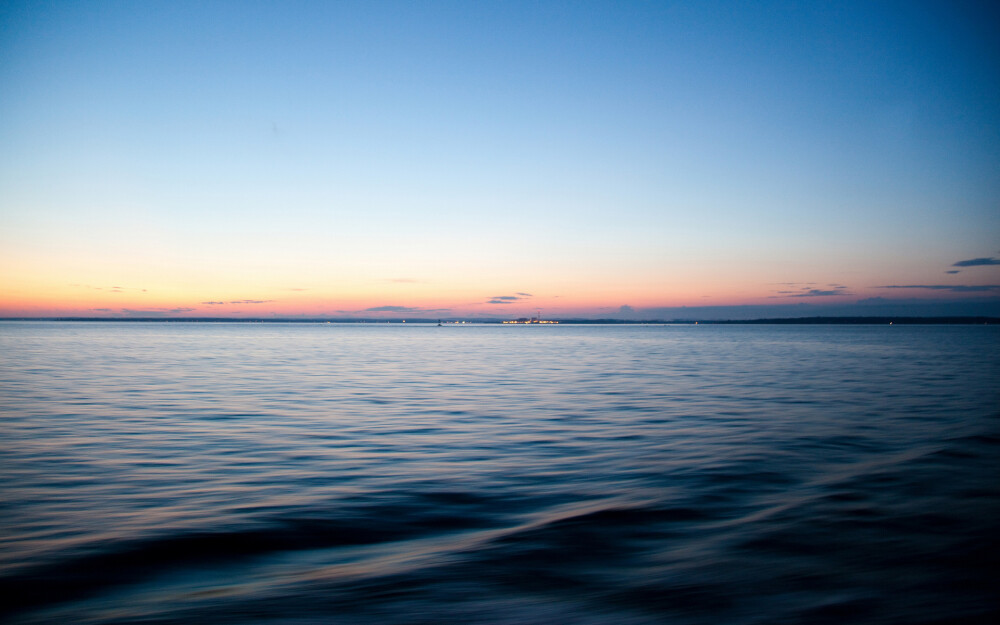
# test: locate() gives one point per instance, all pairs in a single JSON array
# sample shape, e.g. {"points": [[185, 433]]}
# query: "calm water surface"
{"points": [[293, 473]]}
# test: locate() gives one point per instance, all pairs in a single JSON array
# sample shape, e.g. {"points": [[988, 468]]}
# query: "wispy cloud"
{"points": [[508, 299], [391, 309], [976, 262], [832, 290], [953, 271], [954, 288], [240, 301], [822, 292], [154, 312], [399, 309], [110, 289]]}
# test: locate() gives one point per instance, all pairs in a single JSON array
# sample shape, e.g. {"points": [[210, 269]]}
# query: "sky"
{"points": [[496, 159]]}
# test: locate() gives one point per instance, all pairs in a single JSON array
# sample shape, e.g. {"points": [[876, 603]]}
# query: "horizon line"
{"points": [[814, 319]]}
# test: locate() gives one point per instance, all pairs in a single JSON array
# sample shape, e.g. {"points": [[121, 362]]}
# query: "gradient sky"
{"points": [[493, 159]]}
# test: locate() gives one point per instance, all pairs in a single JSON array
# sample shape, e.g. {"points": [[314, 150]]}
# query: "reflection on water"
{"points": [[176, 473]]}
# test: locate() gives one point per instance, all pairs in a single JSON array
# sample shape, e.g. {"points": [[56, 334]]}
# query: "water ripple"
{"points": [[270, 473]]}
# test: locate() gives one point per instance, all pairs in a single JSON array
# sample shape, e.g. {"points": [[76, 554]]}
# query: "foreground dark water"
{"points": [[237, 473]]}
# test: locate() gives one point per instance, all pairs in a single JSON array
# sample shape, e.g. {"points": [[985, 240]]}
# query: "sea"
{"points": [[297, 473]]}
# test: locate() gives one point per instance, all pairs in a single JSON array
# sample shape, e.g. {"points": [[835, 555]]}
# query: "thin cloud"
{"points": [[954, 288], [400, 309], [213, 303], [154, 312], [508, 299], [111, 289], [822, 293], [252, 301], [808, 291], [953, 271], [407, 309], [977, 262]]}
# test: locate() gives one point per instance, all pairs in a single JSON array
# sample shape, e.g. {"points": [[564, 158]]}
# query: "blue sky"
{"points": [[325, 157]]}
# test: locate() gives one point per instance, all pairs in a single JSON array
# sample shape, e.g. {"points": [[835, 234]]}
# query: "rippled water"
{"points": [[300, 473]]}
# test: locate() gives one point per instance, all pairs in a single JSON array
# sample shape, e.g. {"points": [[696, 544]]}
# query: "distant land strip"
{"points": [[450, 321]]}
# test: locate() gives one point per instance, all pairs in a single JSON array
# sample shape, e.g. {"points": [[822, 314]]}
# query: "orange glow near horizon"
{"points": [[404, 299], [306, 281]]}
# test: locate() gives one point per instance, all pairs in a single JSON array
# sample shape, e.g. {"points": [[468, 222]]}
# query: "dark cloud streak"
{"points": [[838, 289], [508, 299], [400, 309], [954, 288], [977, 262], [154, 312]]}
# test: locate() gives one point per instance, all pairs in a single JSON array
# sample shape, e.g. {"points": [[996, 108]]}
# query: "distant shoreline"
{"points": [[950, 320]]}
